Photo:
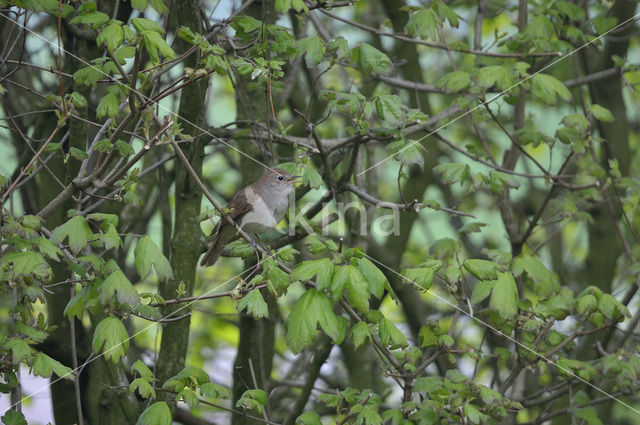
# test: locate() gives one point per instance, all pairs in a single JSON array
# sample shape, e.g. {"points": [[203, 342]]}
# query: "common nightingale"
{"points": [[257, 208]]}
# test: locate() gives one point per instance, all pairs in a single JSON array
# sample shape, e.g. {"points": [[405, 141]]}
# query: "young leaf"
{"points": [[312, 309], [111, 338], [108, 106], [143, 387], [313, 49], [601, 114], [504, 297], [309, 418], [545, 87], [454, 82], [78, 232], [254, 305], [390, 335], [148, 254], [359, 332], [423, 24], [95, 19], [119, 286], [44, 365], [376, 280], [112, 35], [421, 276], [322, 268], [368, 59], [482, 269], [350, 278], [453, 172], [156, 414], [391, 109], [142, 369]]}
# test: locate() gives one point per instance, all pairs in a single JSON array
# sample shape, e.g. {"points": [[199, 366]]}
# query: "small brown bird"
{"points": [[257, 208]]}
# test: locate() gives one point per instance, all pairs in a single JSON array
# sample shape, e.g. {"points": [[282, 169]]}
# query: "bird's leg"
{"points": [[254, 250]]}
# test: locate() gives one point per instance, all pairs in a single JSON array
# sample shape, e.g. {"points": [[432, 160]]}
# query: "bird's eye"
{"points": [[280, 177]]}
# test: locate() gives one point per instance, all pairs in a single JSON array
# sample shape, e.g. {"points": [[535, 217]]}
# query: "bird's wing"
{"points": [[238, 206]]}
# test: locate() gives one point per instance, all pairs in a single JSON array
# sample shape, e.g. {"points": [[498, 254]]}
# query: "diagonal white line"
{"points": [[500, 333], [134, 335], [500, 94], [148, 99]]}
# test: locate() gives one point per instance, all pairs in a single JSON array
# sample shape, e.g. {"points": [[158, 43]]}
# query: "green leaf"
{"points": [[427, 338], [252, 399], [143, 24], [20, 350], [27, 262], [278, 279], [111, 338], [112, 35], [350, 278], [124, 148], [376, 280], [423, 24], [340, 46], [44, 365], [482, 291], [88, 75], [601, 114], [108, 106], [140, 5], [187, 377], [78, 232], [504, 297], [544, 281], [453, 172], [391, 109], [312, 309], [359, 333], [123, 53], [482, 269], [603, 24], [312, 178], [312, 48], [95, 19], [309, 418], [246, 24], [111, 238], [322, 268], [545, 87], [454, 82], [390, 335], [499, 180], [212, 390], [156, 414], [13, 417], [154, 43], [119, 286], [494, 75], [142, 369], [148, 254], [254, 305], [143, 387], [421, 276], [159, 6], [368, 59], [586, 304]]}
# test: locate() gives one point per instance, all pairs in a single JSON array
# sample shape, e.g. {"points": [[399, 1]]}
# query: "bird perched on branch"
{"points": [[257, 208]]}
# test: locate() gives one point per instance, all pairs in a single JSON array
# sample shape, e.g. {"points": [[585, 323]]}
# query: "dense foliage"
{"points": [[463, 246]]}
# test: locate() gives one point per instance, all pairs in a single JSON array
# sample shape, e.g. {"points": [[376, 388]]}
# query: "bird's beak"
{"points": [[294, 179]]}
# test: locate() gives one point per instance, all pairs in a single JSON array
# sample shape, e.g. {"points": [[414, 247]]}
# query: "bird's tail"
{"points": [[213, 253], [224, 236]]}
